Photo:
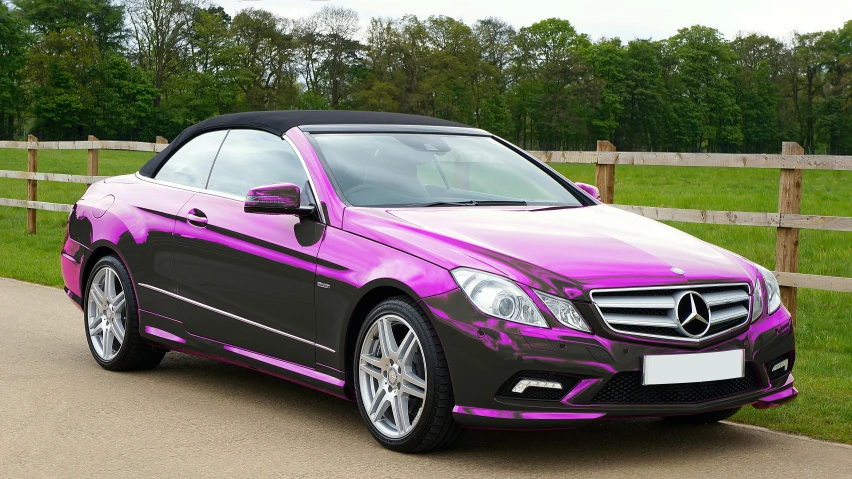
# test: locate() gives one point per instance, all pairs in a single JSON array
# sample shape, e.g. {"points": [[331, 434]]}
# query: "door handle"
{"points": [[196, 217]]}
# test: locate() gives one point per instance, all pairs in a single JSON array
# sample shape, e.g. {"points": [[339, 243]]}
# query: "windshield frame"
{"points": [[312, 130]]}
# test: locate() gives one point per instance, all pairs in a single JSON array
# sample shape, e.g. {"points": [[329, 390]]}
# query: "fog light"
{"points": [[523, 384], [780, 365]]}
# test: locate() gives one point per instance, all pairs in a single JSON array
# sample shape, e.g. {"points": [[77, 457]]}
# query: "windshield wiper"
{"points": [[471, 203], [442, 203], [557, 207]]}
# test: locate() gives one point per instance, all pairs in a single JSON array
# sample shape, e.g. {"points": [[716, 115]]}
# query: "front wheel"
{"points": [[402, 382], [703, 418]]}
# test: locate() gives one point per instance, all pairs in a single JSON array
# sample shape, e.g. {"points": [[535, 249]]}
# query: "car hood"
{"points": [[565, 251]]}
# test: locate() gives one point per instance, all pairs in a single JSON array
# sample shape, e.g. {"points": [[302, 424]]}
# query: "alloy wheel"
{"points": [[392, 376], [105, 313]]}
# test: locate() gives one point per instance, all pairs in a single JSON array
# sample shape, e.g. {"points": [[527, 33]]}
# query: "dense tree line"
{"points": [[140, 68]]}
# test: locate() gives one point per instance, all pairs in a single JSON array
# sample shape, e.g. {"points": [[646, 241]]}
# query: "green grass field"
{"points": [[824, 329]]}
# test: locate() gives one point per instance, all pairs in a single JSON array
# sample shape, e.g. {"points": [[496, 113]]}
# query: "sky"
{"points": [[627, 19]]}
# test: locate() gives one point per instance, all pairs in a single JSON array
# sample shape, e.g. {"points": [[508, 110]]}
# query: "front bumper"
{"points": [[484, 353]]}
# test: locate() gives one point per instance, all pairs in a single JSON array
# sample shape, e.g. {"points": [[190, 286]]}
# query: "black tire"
{"points": [[703, 418], [135, 353], [436, 428]]}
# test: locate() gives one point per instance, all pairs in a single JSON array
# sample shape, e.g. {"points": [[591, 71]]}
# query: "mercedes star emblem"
{"points": [[693, 314]]}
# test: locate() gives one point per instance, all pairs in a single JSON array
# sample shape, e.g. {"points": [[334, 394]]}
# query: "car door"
{"points": [[157, 203], [249, 278]]}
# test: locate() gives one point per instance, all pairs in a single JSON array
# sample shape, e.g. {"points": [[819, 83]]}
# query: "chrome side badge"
{"points": [[678, 271]]}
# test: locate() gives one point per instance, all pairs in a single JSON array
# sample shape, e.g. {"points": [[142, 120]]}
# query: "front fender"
{"points": [[349, 267]]}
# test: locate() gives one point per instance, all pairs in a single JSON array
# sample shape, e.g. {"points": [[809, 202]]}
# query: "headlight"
{"points": [[757, 304], [499, 297], [773, 292], [564, 311]]}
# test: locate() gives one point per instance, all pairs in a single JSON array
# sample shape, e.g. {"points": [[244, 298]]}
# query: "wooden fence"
{"points": [[32, 145], [787, 220]]}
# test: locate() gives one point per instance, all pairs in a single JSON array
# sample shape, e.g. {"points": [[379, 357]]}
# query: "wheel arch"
{"points": [[100, 250], [373, 293]]}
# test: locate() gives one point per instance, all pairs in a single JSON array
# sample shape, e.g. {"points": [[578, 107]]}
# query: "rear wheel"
{"points": [[703, 418], [402, 382], [111, 319]]}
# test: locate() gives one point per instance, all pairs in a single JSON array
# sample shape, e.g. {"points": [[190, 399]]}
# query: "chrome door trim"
{"points": [[310, 178], [234, 316]]}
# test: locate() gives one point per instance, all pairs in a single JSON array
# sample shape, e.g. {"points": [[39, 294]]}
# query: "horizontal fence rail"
{"points": [[33, 176], [36, 205], [788, 220], [85, 145], [57, 177], [710, 160]]}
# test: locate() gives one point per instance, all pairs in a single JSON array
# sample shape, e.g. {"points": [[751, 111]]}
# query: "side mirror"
{"points": [[280, 199], [592, 191]]}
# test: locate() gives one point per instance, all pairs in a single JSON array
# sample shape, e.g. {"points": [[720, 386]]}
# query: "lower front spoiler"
{"points": [[499, 418], [788, 393], [475, 417]]}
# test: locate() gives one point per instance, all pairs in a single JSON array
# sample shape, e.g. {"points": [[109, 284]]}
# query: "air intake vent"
{"points": [[686, 313], [627, 388]]}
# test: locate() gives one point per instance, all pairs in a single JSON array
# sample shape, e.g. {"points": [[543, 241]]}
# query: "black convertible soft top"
{"points": [[278, 122]]}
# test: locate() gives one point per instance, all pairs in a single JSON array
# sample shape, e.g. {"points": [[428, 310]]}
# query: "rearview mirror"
{"points": [[280, 199], [593, 191]]}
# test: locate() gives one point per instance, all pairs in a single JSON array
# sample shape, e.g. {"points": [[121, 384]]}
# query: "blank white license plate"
{"points": [[693, 368]]}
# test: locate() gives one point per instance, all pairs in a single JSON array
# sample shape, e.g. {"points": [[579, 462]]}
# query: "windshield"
{"points": [[385, 169]]}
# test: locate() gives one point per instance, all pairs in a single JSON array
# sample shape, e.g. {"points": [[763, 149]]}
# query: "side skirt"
{"points": [[169, 333]]}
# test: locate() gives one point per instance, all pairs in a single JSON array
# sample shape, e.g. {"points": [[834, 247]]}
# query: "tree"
{"points": [[266, 59], [496, 44], [125, 68], [13, 56], [338, 27], [161, 32], [834, 115], [607, 60], [102, 17], [758, 90], [699, 74], [452, 68], [807, 51], [551, 79], [59, 69], [643, 112]]}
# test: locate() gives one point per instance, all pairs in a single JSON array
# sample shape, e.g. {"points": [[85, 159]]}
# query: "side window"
{"points": [[250, 158], [190, 165]]}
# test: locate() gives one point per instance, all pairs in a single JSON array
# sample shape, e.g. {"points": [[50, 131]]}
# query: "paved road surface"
{"points": [[63, 416]]}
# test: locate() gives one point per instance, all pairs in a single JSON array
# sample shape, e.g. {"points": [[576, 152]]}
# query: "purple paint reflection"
{"points": [[164, 334], [789, 393], [503, 414], [280, 363]]}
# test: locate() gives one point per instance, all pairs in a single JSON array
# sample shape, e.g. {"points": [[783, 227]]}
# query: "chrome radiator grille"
{"points": [[664, 312]]}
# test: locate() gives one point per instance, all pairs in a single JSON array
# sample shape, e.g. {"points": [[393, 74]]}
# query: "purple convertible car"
{"points": [[432, 272]]}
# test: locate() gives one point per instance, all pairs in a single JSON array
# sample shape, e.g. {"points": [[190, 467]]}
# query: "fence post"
{"points": [[92, 165], [605, 175], [787, 239], [32, 184], [161, 141]]}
